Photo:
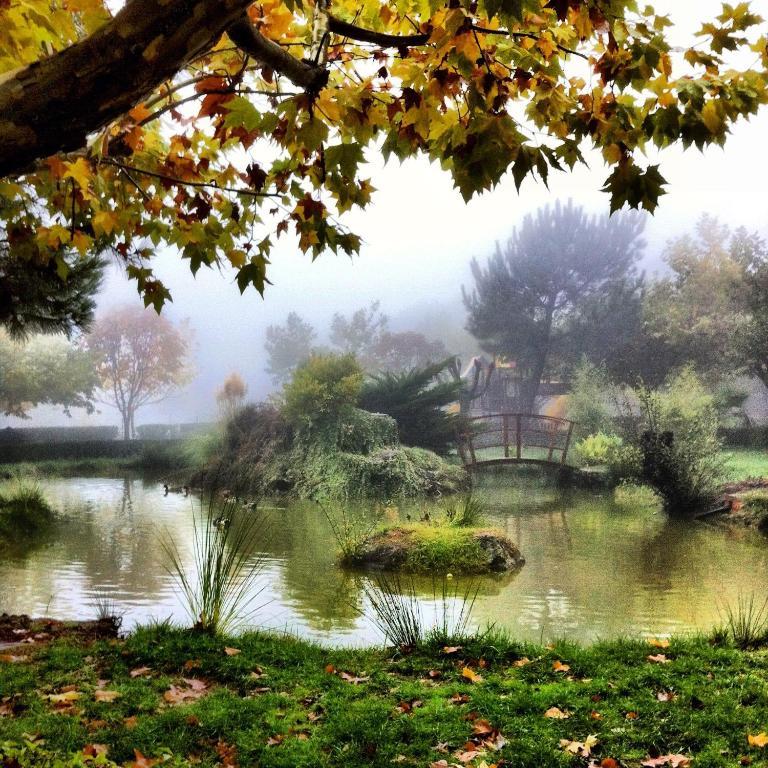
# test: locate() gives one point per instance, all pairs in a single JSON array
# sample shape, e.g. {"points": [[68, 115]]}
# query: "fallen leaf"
{"points": [[330, 669], [666, 696], [94, 750], [471, 675], [192, 664], [130, 722], [595, 715], [631, 716], [674, 761], [555, 713], [142, 671], [760, 740], [353, 679], [273, 741], [10, 658], [459, 698], [659, 642], [558, 666], [581, 748], [106, 696], [439, 764], [232, 651], [658, 658], [448, 649], [64, 698], [141, 761], [521, 662], [195, 689]]}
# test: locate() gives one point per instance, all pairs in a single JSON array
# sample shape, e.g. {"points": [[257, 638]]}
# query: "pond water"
{"points": [[594, 569]]}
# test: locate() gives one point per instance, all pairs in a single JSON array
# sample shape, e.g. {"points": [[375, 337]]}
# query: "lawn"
{"points": [[746, 462], [168, 697]]}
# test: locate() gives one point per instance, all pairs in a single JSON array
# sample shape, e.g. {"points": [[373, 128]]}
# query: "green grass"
{"points": [[746, 462], [280, 702], [24, 510]]}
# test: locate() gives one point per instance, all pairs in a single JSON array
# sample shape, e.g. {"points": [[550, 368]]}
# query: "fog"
{"points": [[418, 238]]}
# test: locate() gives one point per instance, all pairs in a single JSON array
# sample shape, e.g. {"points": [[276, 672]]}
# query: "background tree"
{"points": [[44, 370], [231, 396], [696, 314], [287, 346], [405, 351], [96, 154], [543, 299], [54, 296], [140, 358], [359, 333]]}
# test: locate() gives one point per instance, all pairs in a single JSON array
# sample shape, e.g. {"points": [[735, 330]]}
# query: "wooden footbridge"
{"points": [[515, 438]]}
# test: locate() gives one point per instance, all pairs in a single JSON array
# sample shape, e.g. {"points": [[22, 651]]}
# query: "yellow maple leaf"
{"points": [[80, 171], [760, 740], [82, 242], [711, 117], [104, 222], [471, 675]]}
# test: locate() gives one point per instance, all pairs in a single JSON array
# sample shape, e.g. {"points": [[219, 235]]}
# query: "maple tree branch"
{"points": [[53, 104], [301, 73], [182, 183]]}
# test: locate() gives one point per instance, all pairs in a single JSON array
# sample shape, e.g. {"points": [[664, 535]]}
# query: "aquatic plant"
{"points": [[23, 507], [465, 512], [218, 591], [747, 621]]}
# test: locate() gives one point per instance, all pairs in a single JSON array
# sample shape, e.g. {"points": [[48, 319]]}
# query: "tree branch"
{"points": [[53, 104], [301, 73]]}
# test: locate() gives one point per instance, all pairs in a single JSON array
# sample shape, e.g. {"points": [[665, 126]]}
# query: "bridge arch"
{"points": [[515, 438]]}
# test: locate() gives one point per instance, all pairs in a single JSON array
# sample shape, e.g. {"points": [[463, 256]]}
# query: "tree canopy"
{"points": [[564, 285], [215, 126]]}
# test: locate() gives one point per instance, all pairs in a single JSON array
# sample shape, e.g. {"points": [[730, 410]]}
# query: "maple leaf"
{"points": [[581, 748], [142, 762], [232, 651], [759, 740], [80, 171], [471, 675], [449, 649], [558, 666], [658, 658]]}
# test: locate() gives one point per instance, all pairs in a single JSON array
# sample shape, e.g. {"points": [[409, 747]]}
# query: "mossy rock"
{"points": [[425, 548]]}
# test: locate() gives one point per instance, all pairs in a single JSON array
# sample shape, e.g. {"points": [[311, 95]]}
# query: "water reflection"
{"points": [[593, 569]]}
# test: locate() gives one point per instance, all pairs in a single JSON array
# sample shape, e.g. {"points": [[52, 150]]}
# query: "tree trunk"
{"points": [[126, 426], [53, 104]]}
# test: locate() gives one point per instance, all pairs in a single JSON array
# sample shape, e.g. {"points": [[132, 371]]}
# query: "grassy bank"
{"points": [[24, 510], [183, 699], [746, 462]]}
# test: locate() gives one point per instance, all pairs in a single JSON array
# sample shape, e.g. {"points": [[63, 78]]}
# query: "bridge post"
{"points": [[567, 443], [519, 435], [505, 434]]}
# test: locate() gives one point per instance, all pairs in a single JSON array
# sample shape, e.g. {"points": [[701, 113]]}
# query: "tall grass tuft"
{"points": [[218, 591], [396, 610], [398, 615], [747, 622], [465, 512], [349, 529]]}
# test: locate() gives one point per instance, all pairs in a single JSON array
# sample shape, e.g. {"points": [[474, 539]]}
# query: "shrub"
{"points": [[417, 400], [465, 512], [23, 509], [598, 449], [680, 447], [321, 387]]}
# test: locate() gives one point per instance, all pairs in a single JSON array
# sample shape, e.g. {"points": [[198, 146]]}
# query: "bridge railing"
{"points": [[500, 438]]}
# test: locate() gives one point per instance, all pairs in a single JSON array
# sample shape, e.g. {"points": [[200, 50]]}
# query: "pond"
{"points": [[594, 569]]}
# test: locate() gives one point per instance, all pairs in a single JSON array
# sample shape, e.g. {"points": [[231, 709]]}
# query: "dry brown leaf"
{"points": [[10, 658], [658, 658], [353, 679], [141, 761], [558, 666], [106, 696], [555, 713], [195, 689], [232, 651], [674, 761], [449, 649], [141, 671], [522, 662]]}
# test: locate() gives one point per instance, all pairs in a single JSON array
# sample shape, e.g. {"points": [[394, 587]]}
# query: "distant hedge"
{"points": [[171, 431], [745, 437], [153, 450], [13, 435]]}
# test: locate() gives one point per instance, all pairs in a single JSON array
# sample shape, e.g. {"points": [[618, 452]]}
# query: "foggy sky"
{"points": [[418, 237]]}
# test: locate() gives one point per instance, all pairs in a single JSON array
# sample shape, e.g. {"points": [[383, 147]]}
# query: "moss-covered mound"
{"points": [[355, 455], [425, 548]]}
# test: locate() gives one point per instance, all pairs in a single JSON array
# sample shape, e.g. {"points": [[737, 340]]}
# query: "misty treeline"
{"points": [[567, 286]]}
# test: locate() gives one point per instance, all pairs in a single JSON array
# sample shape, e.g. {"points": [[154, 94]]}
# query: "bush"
{"points": [[417, 400], [13, 435], [322, 387], [681, 451], [598, 449], [23, 509]]}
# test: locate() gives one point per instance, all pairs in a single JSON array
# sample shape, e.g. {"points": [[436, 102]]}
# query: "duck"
{"points": [[175, 489]]}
